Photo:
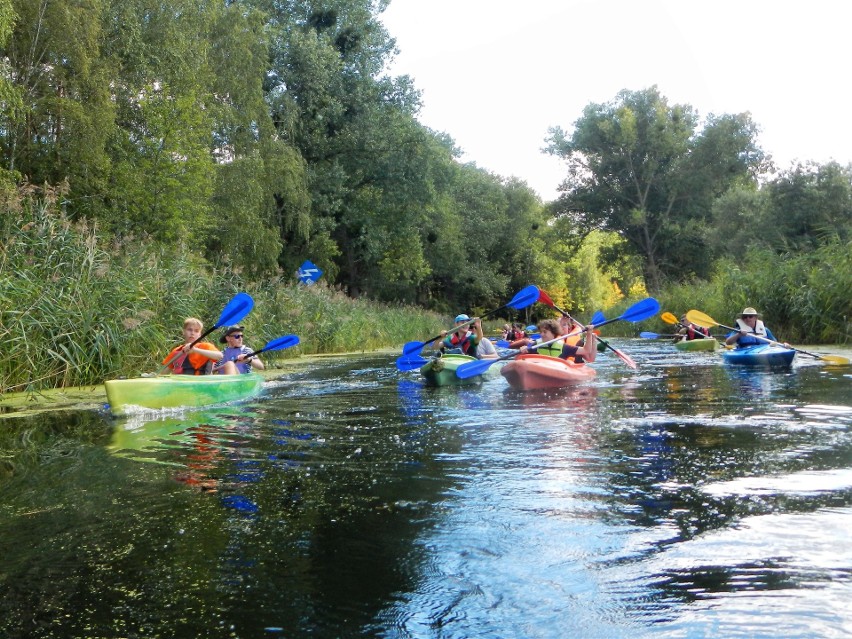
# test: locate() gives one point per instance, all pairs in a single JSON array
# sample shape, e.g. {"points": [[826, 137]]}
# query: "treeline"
{"points": [[247, 136], [256, 134]]}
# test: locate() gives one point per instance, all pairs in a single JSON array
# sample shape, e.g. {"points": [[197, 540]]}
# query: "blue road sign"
{"points": [[309, 273]]}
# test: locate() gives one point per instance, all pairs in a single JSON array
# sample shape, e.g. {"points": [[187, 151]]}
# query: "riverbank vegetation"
{"points": [[188, 150]]}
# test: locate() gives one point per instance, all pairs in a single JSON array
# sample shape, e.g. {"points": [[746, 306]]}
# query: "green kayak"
{"points": [[174, 391], [441, 371], [701, 344]]}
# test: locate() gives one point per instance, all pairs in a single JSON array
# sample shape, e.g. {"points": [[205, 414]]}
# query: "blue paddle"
{"points": [[523, 298], [239, 306], [636, 313], [285, 341]]}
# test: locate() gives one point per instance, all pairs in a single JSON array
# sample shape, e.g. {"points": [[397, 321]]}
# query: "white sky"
{"points": [[496, 74]]}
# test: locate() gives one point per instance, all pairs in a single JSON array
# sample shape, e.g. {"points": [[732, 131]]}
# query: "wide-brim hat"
{"points": [[231, 329], [748, 310]]}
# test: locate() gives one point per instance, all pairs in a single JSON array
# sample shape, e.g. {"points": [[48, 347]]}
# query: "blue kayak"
{"points": [[767, 355]]}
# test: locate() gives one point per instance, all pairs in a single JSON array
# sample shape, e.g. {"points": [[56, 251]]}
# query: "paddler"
{"points": [[195, 359], [550, 329]]}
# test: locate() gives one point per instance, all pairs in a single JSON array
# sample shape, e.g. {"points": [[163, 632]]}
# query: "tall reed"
{"points": [[77, 307]]}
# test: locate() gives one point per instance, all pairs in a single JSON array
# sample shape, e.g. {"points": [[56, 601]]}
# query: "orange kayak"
{"points": [[529, 371]]}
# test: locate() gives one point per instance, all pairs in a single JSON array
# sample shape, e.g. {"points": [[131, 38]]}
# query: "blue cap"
{"points": [[462, 318], [532, 328]]}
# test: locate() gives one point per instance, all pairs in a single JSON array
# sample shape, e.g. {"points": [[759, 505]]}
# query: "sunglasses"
{"points": [[240, 336]]}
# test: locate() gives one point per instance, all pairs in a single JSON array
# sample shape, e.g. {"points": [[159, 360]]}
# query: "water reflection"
{"points": [[685, 498]]}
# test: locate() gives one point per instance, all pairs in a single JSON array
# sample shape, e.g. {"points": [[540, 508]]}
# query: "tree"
{"points": [[808, 206], [639, 167]]}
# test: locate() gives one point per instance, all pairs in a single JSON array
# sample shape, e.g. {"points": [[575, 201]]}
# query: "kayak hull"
{"points": [[766, 355], [706, 344], [441, 371], [175, 391], [531, 372]]}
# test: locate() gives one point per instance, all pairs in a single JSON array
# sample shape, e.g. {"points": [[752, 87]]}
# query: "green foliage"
{"points": [[639, 167], [803, 298], [77, 308], [808, 205]]}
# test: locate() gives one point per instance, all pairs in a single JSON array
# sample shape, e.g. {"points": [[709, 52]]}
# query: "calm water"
{"points": [[685, 499]]}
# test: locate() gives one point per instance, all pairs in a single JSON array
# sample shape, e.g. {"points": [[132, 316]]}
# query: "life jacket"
{"points": [[464, 343], [748, 340], [192, 364], [553, 350], [697, 332]]}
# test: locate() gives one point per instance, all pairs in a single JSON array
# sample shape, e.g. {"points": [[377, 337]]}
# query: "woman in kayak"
{"points": [[751, 329], [550, 329], [237, 351], [195, 359]]}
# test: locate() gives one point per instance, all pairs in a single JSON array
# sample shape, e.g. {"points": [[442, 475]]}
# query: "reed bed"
{"points": [[77, 307], [804, 298]]}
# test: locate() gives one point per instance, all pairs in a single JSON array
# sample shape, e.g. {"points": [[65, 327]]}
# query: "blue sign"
{"points": [[309, 273]]}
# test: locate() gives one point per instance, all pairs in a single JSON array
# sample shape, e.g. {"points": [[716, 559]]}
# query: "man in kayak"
{"points": [[751, 329], [195, 359], [237, 352], [549, 330], [463, 339], [689, 331]]}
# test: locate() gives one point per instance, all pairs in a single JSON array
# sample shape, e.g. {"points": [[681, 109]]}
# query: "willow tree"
{"points": [[645, 170]]}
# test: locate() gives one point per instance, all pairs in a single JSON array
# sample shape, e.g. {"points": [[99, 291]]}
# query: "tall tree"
{"points": [[809, 205], [639, 166]]}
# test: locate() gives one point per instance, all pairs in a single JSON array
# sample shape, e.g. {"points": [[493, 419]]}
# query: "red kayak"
{"points": [[529, 371]]}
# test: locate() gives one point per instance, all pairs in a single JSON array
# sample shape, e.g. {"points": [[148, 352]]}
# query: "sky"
{"points": [[497, 74]]}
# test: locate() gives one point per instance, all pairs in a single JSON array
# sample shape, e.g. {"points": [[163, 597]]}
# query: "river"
{"points": [[683, 499]]}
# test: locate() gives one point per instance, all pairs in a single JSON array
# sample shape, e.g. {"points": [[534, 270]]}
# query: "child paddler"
{"points": [[195, 359]]}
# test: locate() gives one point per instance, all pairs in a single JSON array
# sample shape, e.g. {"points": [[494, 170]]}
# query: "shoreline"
{"points": [[28, 404]]}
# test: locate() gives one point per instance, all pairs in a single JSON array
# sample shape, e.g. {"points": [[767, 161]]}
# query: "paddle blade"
{"points": [[412, 348], [239, 306], [641, 310], [410, 363], [285, 341], [669, 318], [702, 319], [472, 369], [837, 360], [648, 335], [544, 298], [624, 357], [525, 297], [597, 318]]}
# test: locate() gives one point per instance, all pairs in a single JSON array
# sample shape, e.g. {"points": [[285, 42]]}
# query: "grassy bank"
{"points": [[77, 308]]}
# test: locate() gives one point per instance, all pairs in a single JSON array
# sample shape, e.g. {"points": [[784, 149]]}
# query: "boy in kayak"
{"points": [[195, 359], [751, 329], [463, 339], [237, 351]]}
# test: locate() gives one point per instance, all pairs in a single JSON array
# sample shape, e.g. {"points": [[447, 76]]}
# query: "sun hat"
{"points": [[462, 318], [231, 329], [748, 310]]}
